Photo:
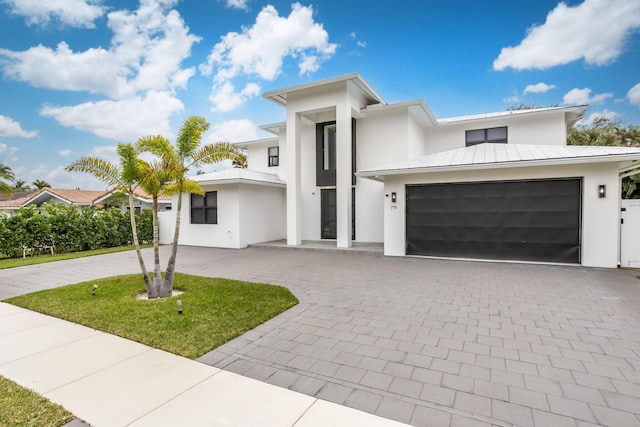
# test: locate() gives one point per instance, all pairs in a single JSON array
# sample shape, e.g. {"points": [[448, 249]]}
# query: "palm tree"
{"points": [[240, 161], [156, 176], [20, 185], [5, 174], [39, 184], [125, 177], [185, 155]]}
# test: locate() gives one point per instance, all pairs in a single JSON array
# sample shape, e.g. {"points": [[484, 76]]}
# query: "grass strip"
{"points": [[41, 259], [214, 310], [20, 407]]}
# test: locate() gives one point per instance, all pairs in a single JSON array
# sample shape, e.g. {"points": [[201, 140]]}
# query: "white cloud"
{"points": [[259, 51], [539, 88], [9, 127], [583, 96], [225, 98], [8, 154], [59, 177], [634, 95], [595, 31], [238, 4], [124, 121], [139, 72], [147, 48], [588, 120], [76, 13], [359, 43], [64, 153], [233, 131]]}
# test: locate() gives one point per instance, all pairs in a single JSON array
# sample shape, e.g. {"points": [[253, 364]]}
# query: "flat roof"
{"points": [[279, 96]]}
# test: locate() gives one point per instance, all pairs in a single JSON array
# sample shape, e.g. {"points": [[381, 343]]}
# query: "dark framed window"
{"points": [[274, 159], [481, 136], [326, 153], [204, 209]]}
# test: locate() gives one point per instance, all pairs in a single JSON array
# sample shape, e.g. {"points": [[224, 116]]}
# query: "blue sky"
{"points": [[79, 76]]}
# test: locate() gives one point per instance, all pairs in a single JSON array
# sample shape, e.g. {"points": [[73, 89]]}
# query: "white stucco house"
{"points": [[347, 167]]}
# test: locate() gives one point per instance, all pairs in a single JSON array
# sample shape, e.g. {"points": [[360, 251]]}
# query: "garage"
{"points": [[523, 220]]}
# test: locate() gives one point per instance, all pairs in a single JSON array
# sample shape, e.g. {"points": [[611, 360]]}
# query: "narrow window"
{"points": [[204, 209], [481, 136], [274, 156], [326, 153]]}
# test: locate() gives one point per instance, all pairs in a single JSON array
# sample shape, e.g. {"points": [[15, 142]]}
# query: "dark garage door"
{"points": [[505, 220]]}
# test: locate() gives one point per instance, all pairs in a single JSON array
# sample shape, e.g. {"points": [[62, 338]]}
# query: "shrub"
{"points": [[69, 229]]}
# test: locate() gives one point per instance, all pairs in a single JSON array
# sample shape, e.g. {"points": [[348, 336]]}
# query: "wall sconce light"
{"points": [[393, 197], [179, 304], [602, 191]]}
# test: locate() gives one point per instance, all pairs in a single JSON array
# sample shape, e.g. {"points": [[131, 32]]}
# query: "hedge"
{"points": [[68, 229]]}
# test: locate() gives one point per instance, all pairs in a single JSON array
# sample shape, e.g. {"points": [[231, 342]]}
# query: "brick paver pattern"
{"points": [[438, 342]]}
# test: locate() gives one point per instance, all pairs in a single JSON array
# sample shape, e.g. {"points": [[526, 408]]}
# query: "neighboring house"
{"points": [[345, 166], [80, 198]]}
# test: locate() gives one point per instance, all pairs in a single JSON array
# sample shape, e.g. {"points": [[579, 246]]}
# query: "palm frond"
{"points": [[105, 171], [190, 135]]}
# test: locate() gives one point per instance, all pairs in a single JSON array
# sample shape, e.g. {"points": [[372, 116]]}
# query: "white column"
{"points": [[294, 202], [344, 175]]}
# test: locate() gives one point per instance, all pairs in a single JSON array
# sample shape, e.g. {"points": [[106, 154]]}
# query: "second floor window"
{"points": [[274, 159], [481, 136]]}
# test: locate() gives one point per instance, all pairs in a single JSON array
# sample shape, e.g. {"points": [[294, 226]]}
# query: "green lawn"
{"points": [[20, 407], [215, 310], [40, 259]]}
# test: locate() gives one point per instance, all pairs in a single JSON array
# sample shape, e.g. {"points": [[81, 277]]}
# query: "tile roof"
{"points": [[486, 156]]}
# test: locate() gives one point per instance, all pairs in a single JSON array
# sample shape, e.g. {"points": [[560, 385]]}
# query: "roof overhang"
{"points": [[572, 115], [417, 107], [239, 176], [463, 160], [280, 96]]}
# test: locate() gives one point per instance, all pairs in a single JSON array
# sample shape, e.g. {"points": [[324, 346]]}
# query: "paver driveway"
{"points": [[436, 342]]}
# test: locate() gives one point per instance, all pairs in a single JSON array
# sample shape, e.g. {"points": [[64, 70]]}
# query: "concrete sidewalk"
{"points": [[110, 381]]}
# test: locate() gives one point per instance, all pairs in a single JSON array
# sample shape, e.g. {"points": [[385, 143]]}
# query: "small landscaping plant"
{"points": [[214, 311]]}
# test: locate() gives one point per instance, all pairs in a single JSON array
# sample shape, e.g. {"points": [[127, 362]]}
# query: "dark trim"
{"points": [[328, 214], [327, 178], [485, 139], [204, 209]]}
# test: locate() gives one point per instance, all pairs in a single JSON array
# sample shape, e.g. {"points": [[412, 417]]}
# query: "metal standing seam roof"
{"points": [[238, 175], [487, 156]]}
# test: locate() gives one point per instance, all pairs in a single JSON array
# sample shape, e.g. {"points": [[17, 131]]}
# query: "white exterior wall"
{"points": [[247, 214], [224, 234], [262, 214], [537, 129], [379, 139], [258, 156], [599, 216]]}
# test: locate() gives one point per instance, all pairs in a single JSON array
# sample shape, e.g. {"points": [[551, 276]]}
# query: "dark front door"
{"points": [[535, 220], [328, 214]]}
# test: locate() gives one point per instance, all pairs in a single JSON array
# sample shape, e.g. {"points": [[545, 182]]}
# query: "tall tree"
{"points": [[40, 184], [603, 130], [156, 176], [125, 177], [6, 176], [187, 154], [19, 185]]}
